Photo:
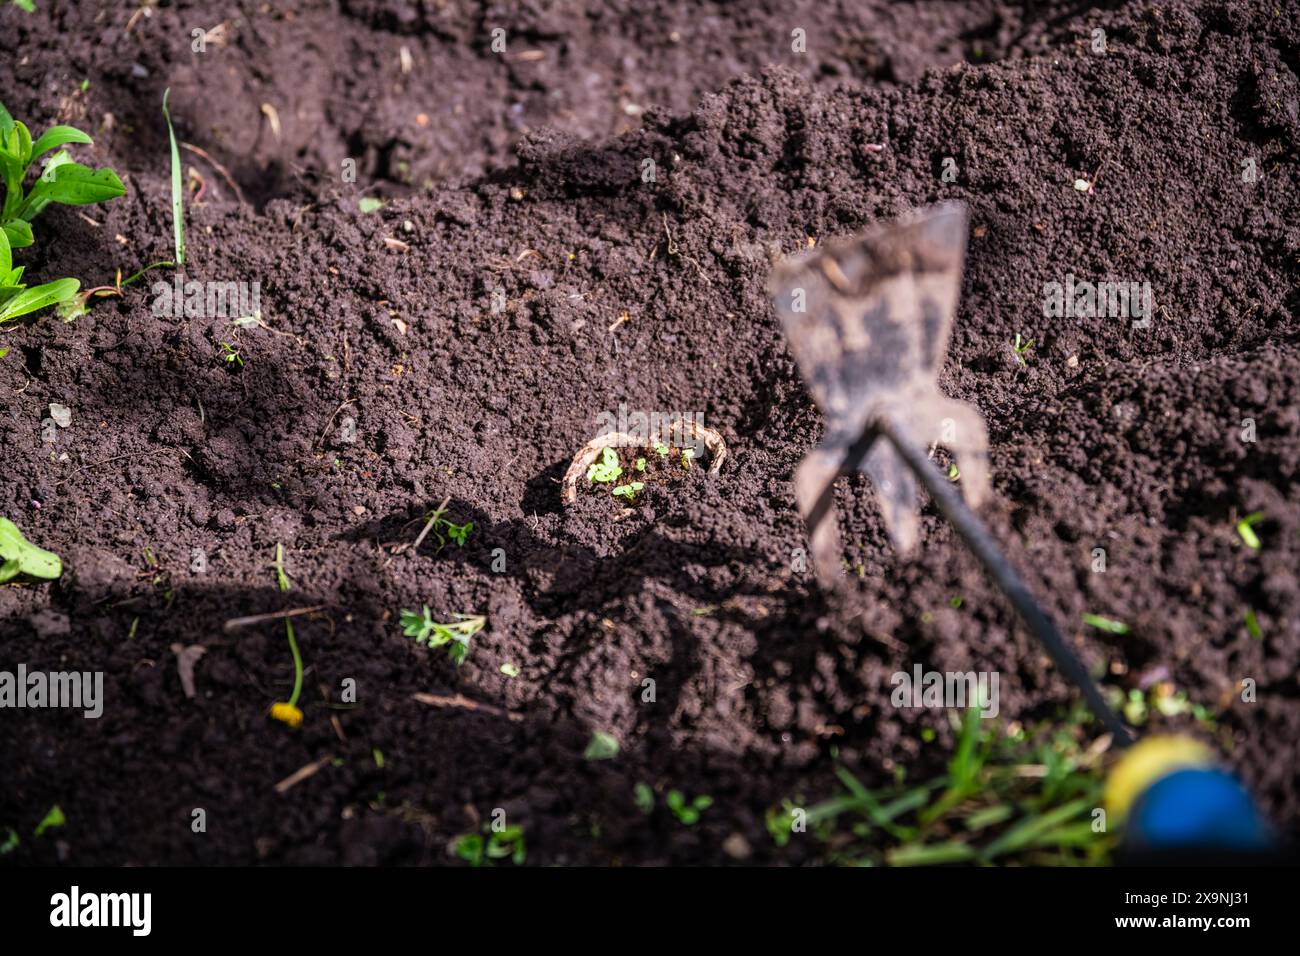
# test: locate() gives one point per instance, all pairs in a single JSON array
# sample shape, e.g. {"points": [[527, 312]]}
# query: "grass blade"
{"points": [[178, 206]]}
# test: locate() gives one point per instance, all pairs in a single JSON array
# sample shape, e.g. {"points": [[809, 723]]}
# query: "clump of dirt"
{"points": [[385, 379]]}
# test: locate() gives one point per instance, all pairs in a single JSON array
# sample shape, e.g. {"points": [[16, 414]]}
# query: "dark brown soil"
{"points": [[523, 172]]}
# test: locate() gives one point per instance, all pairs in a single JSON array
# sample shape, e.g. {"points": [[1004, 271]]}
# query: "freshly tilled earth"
{"points": [[524, 172]]}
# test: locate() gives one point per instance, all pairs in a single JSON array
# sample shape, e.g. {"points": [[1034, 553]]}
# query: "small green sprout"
{"points": [[377, 756], [456, 634], [1252, 624], [640, 464], [1246, 528], [687, 811], [510, 670], [1106, 624], [1135, 708], [369, 204], [605, 470], [780, 822], [20, 556], [54, 818], [662, 449], [953, 473], [602, 746], [643, 797], [629, 491], [178, 204], [288, 712], [10, 843], [231, 354], [459, 532], [1020, 347], [476, 851], [435, 522], [687, 456]]}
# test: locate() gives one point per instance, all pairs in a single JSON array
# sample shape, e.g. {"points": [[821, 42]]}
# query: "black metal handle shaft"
{"points": [[981, 542]]}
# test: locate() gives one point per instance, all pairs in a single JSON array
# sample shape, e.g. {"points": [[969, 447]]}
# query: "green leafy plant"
{"points": [[662, 449], [459, 532], [687, 811], [507, 843], [688, 455], [454, 635], [436, 524], [20, 556], [629, 491], [61, 180], [640, 464], [602, 746], [18, 299], [607, 469]]}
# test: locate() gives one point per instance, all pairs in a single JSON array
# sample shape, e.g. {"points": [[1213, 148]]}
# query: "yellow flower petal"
{"points": [[286, 713]]}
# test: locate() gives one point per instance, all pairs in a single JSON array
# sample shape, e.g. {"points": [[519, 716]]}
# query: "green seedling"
{"points": [[953, 473], [10, 843], [459, 532], [687, 456], [687, 811], [602, 746], [643, 797], [780, 822], [20, 556], [79, 304], [369, 204], [25, 5], [629, 491], [1020, 347], [17, 299], [662, 449], [510, 670], [231, 354], [287, 712], [60, 181], [1106, 624], [54, 818], [435, 523], [1252, 624], [178, 193], [1246, 529], [605, 470], [640, 464], [499, 845], [455, 635]]}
